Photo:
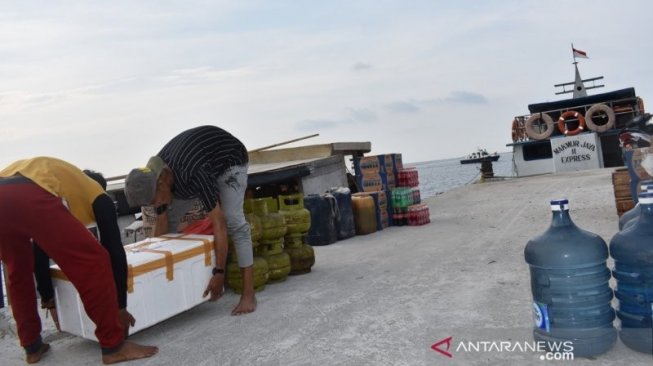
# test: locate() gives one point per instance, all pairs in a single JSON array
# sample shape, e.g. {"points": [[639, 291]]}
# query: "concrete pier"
{"points": [[387, 297]]}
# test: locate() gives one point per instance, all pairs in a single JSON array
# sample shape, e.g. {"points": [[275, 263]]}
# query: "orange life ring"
{"points": [[562, 126], [640, 104], [515, 130]]}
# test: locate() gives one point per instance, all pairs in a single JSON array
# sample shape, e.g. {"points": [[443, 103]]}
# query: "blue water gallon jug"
{"points": [[323, 213], [569, 282], [344, 219], [628, 216], [632, 251]]}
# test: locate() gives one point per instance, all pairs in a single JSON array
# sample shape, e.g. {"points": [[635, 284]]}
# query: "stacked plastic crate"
{"points": [[408, 208]]}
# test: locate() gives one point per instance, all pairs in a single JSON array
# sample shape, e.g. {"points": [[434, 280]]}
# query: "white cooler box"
{"points": [[166, 276]]}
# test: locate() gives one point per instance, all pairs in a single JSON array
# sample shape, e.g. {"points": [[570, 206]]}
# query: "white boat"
{"points": [[573, 134]]}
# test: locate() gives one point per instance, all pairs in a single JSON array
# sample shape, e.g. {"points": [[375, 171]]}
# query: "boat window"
{"points": [[537, 151]]}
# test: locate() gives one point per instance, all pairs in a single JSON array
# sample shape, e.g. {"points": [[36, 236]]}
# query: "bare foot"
{"points": [[36, 356], [246, 305], [129, 351]]}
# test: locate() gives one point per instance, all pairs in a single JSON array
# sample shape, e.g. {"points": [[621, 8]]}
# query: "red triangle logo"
{"points": [[445, 352]]}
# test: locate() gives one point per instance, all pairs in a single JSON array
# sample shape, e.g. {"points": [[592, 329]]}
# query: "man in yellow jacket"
{"points": [[49, 201]]}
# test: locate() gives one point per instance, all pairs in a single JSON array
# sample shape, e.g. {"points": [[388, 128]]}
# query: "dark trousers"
{"points": [[28, 211], [2, 294]]}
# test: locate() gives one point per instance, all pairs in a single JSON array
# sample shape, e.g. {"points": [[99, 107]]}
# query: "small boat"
{"points": [[479, 156]]}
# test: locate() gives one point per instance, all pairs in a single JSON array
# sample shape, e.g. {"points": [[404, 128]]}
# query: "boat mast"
{"points": [[579, 89]]}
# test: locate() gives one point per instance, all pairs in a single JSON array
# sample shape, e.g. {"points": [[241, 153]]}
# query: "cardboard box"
{"points": [[392, 162], [385, 165], [370, 182], [166, 276], [368, 165]]}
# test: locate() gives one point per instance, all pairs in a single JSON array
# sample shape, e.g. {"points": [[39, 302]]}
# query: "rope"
{"points": [[474, 178]]}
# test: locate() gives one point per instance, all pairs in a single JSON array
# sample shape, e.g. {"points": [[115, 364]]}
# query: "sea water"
{"points": [[437, 176]]}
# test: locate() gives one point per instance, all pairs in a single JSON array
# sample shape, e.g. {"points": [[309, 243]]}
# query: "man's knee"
{"points": [[236, 222]]}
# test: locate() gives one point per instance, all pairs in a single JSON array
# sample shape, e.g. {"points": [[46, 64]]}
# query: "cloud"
{"points": [[355, 115], [403, 107], [314, 125], [363, 115], [465, 98], [360, 66], [201, 75], [19, 99]]}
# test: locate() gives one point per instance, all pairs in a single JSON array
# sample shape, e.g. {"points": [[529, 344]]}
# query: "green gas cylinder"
{"points": [[255, 226], [278, 260], [298, 218], [302, 257], [261, 275], [273, 224]]}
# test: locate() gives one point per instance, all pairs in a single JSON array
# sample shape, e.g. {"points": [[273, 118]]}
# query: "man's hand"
{"points": [[127, 320], [215, 287]]}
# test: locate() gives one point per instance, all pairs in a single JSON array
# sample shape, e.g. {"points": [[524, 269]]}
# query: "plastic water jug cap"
{"points": [[645, 198], [646, 184], [560, 204]]}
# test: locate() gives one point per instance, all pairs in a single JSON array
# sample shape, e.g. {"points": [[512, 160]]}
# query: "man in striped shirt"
{"points": [[210, 164]]}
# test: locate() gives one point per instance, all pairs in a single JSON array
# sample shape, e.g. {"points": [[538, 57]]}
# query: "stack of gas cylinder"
{"points": [[279, 227], [261, 268], [298, 221], [274, 230], [570, 282]]}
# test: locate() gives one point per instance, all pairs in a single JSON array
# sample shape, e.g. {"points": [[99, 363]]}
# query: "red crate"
{"points": [[418, 215], [407, 177]]}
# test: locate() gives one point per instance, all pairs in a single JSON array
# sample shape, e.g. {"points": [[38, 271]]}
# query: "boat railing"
{"points": [[621, 107]]}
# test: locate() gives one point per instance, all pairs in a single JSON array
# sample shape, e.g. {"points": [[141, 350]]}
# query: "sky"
{"points": [[105, 84]]}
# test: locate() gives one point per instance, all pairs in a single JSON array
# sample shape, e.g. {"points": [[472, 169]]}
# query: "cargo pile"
{"points": [[394, 190]]}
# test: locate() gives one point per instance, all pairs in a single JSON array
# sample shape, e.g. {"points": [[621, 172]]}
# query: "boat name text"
{"points": [[573, 145]]}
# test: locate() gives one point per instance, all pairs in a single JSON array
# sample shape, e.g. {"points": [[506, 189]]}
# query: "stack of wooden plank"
{"points": [[622, 195]]}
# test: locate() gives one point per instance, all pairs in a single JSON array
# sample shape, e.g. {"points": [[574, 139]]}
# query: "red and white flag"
{"points": [[579, 53]]}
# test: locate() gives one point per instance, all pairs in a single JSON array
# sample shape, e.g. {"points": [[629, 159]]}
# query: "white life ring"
{"points": [[530, 129], [596, 108]]}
